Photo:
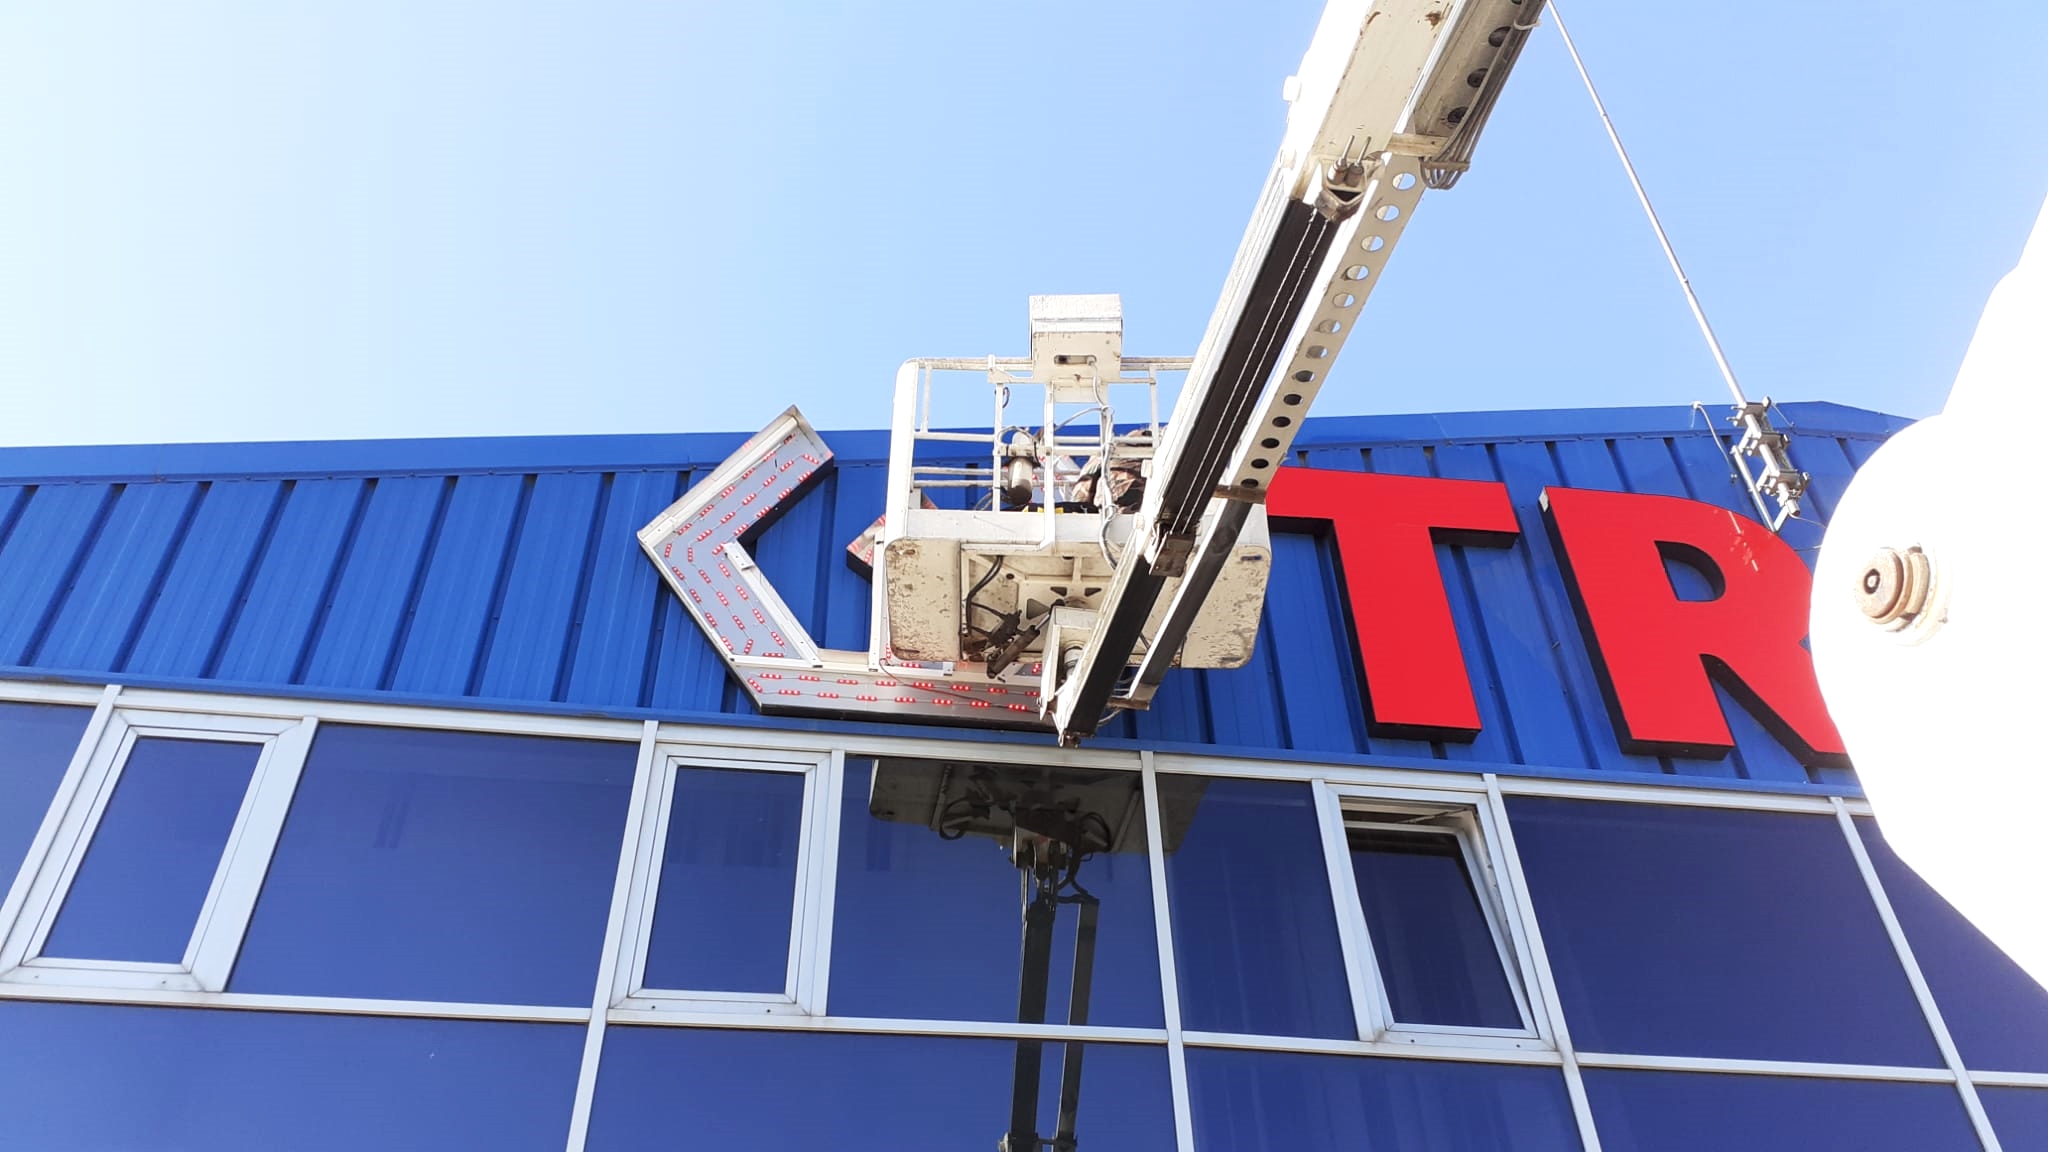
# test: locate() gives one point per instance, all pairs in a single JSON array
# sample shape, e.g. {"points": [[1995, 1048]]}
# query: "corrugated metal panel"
{"points": [[278, 598], [359, 623], [505, 572], [437, 644], [543, 579], [195, 600]]}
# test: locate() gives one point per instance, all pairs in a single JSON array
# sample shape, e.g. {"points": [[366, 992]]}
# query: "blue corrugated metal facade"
{"points": [[494, 909], [504, 573]]}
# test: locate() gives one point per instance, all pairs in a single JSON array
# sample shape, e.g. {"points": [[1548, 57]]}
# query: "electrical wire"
{"points": [[1443, 169], [1692, 300]]}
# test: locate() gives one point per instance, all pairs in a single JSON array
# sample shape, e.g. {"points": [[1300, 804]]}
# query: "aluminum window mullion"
{"points": [[75, 777], [824, 831], [1473, 844], [793, 976], [1345, 773], [1370, 1008], [649, 887], [1936, 1026], [650, 793], [1415, 1046], [615, 938], [245, 859], [1169, 973], [57, 869], [1517, 895], [1727, 1065], [1536, 1003], [51, 692]]}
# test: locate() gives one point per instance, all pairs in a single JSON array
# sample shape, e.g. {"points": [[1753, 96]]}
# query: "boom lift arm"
{"points": [[1097, 556], [1390, 98]]}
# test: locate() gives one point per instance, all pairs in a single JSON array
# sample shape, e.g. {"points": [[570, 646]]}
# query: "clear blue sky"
{"points": [[316, 219]]}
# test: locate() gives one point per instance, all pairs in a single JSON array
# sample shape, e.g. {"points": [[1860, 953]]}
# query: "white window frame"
{"points": [[803, 991], [1470, 820], [223, 917]]}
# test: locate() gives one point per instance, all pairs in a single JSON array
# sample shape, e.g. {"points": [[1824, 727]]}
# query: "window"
{"points": [[1996, 1012], [1715, 932], [722, 913], [787, 1089], [158, 853], [1713, 1112], [2019, 1116], [1346, 913], [36, 744], [420, 864], [1426, 913], [969, 890], [1295, 1102], [1255, 934], [107, 1076]]}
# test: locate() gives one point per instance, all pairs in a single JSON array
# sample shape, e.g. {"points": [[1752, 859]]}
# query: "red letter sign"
{"points": [[1386, 529], [1657, 651]]}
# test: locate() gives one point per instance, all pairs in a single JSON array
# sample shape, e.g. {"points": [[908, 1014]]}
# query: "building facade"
{"points": [[380, 795]]}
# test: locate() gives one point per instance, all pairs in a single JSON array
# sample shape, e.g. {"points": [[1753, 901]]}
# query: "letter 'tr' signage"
{"points": [[1387, 528], [1659, 656]]}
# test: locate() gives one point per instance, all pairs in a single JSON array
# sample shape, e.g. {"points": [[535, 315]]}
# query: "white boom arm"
{"points": [[1391, 97]]}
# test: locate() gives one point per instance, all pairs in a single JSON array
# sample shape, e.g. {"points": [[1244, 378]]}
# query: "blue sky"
{"points": [[226, 221]]}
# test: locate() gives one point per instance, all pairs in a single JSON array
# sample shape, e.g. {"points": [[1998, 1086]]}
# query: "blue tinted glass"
{"points": [[36, 743], [1291, 1102], [1703, 1112], [2019, 1116], [1430, 936], [1254, 924], [1715, 932], [146, 874], [728, 882], [934, 920], [100, 1077], [1996, 1012], [421, 865], [703, 1088]]}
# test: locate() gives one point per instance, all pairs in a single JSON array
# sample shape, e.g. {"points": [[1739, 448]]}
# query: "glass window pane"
{"points": [[1996, 1012], [145, 876], [931, 920], [1430, 933], [1705, 1112], [36, 744], [2019, 1116], [421, 865], [1292, 1102], [1715, 932], [728, 882], [89, 1076], [770, 1089], [1254, 923]]}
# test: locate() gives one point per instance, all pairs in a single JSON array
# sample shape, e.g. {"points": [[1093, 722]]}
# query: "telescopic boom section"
{"points": [[1390, 98]]}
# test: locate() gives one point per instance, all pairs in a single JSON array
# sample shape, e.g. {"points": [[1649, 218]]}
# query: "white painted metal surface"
{"points": [[1389, 90], [1929, 701], [1150, 538]]}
